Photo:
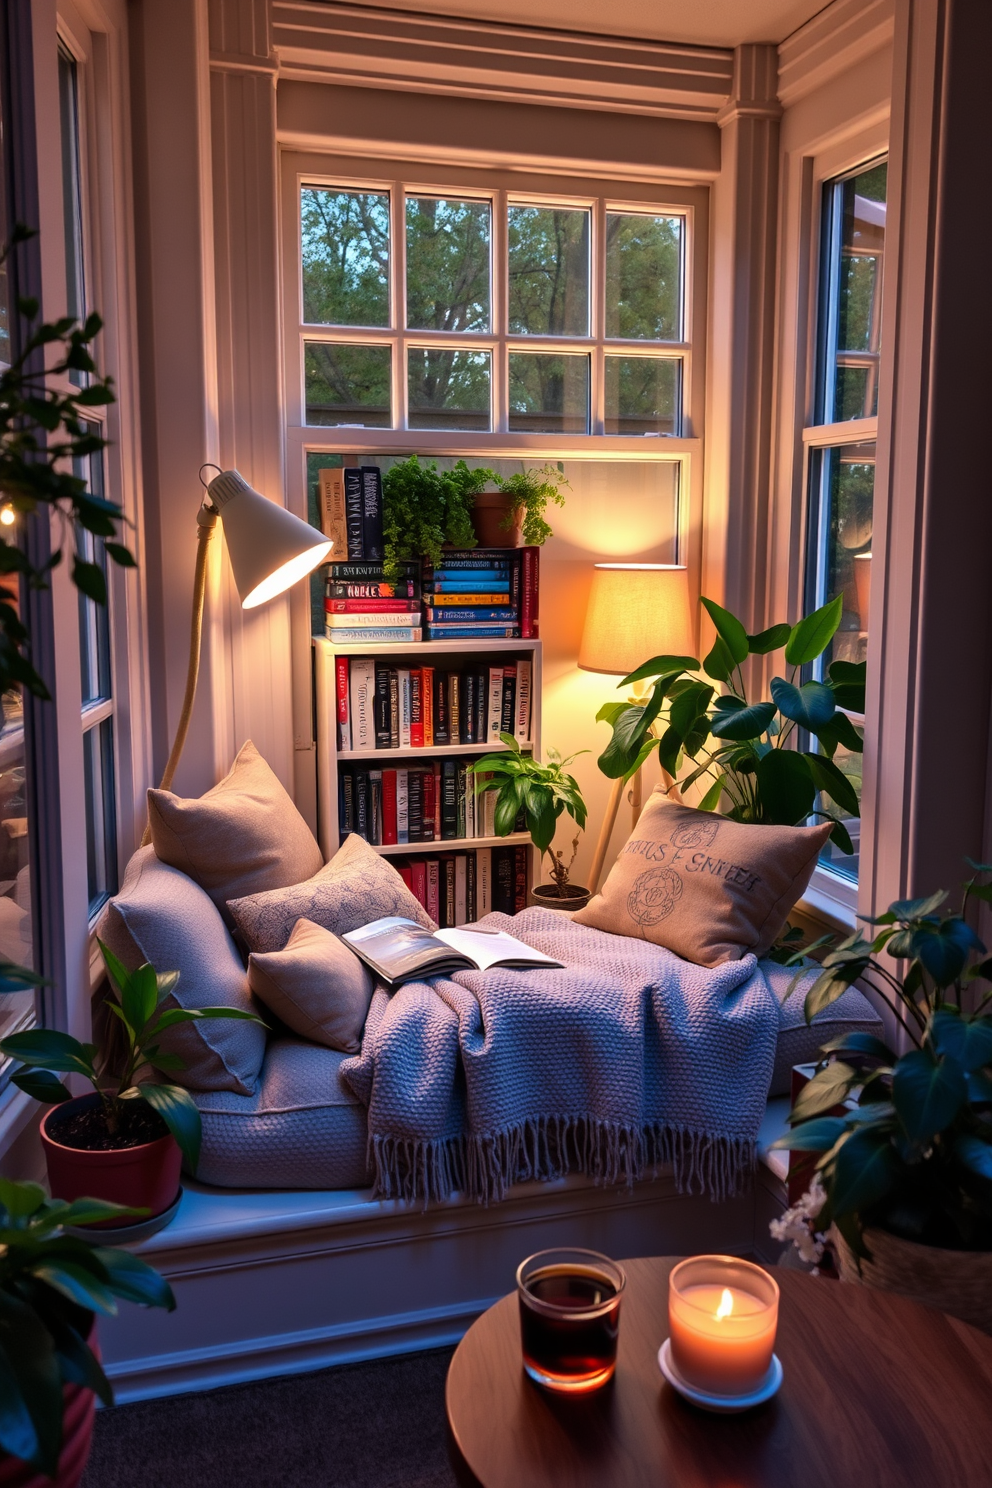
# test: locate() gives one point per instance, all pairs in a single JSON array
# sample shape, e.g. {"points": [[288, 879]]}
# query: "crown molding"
{"points": [[363, 46], [830, 44]]}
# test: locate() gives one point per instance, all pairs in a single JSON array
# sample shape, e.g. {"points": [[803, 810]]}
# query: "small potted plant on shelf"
{"points": [[903, 1188], [514, 510], [542, 793], [52, 1281], [423, 508], [125, 1142]]}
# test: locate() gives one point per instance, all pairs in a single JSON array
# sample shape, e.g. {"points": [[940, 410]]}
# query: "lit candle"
{"points": [[722, 1315]]}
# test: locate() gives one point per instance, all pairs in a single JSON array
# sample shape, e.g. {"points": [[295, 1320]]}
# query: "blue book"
{"points": [[469, 632], [460, 614], [469, 561], [470, 584]]}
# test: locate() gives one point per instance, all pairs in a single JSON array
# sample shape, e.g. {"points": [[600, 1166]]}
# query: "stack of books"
{"points": [[380, 706], [482, 592], [457, 888], [360, 604]]}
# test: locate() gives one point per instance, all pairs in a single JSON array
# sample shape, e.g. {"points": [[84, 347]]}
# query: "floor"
{"points": [[376, 1425]]}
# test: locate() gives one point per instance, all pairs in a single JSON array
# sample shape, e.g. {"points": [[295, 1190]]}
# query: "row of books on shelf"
{"points": [[380, 706], [458, 888], [473, 594], [430, 803]]}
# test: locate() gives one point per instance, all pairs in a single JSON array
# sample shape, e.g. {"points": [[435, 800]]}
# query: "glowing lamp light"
{"points": [[8, 516]]}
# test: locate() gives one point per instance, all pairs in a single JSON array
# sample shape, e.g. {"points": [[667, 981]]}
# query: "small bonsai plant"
{"points": [[131, 1102], [741, 746], [542, 792], [51, 1284], [906, 1139]]}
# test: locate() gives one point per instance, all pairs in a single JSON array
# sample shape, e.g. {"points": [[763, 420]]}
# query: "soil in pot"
{"points": [[86, 1130], [143, 1174], [546, 896], [489, 516]]}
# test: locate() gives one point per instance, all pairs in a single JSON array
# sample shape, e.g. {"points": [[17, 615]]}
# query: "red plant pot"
{"points": [[77, 1435], [145, 1177]]}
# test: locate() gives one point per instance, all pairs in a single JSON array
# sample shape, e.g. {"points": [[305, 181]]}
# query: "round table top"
{"points": [[878, 1392]]}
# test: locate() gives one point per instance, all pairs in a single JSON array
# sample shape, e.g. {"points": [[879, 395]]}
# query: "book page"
{"points": [[487, 949]]}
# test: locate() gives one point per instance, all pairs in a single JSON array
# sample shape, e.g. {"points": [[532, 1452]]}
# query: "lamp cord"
{"points": [[206, 519]]}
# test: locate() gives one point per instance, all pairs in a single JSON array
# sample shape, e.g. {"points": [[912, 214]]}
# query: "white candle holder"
{"points": [[723, 1317]]}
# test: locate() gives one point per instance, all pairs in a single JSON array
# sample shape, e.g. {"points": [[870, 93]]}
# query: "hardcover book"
{"points": [[399, 950], [353, 504], [333, 523]]}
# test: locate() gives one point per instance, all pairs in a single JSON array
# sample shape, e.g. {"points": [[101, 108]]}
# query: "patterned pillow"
{"points": [[708, 888], [356, 887]]}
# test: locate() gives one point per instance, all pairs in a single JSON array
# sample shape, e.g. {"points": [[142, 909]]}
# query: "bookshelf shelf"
{"points": [[450, 844], [434, 751]]}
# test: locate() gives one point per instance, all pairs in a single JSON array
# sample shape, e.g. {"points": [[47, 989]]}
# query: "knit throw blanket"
{"points": [[628, 1059]]}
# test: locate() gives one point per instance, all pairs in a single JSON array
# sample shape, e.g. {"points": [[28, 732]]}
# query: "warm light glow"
{"points": [[636, 611], [287, 575], [8, 516], [726, 1304]]}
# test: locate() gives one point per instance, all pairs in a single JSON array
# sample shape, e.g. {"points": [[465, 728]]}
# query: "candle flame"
{"points": [[726, 1304]]}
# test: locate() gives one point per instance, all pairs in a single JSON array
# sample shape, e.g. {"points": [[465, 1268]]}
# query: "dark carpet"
{"points": [[377, 1425]]}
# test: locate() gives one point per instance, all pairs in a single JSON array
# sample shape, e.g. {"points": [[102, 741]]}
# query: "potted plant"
{"points": [[542, 793], [514, 510], [744, 748], [423, 508], [906, 1138], [51, 1284], [125, 1142]]}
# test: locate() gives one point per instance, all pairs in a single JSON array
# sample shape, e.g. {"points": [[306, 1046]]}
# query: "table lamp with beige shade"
{"points": [[269, 548], [635, 611]]}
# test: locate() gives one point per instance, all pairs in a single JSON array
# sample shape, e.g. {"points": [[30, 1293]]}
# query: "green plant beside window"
{"points": [[910, 1150], [531, 492], [740, 746], [138, 1004], [542, 792], [51, 1284]]}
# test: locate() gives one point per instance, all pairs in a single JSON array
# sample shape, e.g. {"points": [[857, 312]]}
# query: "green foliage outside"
{"points": [[643, 277], [740, 746], [910, 1150]]}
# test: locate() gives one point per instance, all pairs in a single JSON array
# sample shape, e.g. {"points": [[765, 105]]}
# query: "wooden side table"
{"points": [[878, 1393]]}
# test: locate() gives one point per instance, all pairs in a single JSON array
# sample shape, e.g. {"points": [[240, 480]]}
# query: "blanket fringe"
{"points": [[484, 1166]]}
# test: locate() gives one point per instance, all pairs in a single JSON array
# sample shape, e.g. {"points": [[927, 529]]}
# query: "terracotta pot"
{"points": [[546, 896], [491, 510], [145, 1177], [958, 1282], [77, 1435]]}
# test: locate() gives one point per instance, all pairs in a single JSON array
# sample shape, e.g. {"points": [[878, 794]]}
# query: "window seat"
{"points": [[280, 1281]]}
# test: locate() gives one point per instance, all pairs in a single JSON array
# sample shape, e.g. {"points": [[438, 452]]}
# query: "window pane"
{"points": [[854, 245], [449, 389], [549, 394], [644, 277], [643, 395], [101, 815], [347, 384], [549, 271], [345, 240], [94, 619], [447, 264]]}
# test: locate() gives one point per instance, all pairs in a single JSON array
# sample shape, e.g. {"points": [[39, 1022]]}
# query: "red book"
{"points": [[342, 672], [529, 585], [406, 874], [389, 807], [418, 872], [430, 798], [372, 606], [416, 709], [427, 704], [433, 891]]}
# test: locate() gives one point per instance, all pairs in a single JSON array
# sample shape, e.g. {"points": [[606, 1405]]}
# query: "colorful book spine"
{"points": [[377, 619], [381, 705], [485, 558], [495, 717], [362, 689], [468, 708], [333, 522], [341, 689], [352, 589], [433, 891], [428, 825], [449, 800], [402, 806], [497, 599], [353, 513], [403, 689], [530, 561], [508, 713], [454, 707], [521, 723], [371, 513], [462, 614], [427, 704], [371, 606], [442, 720], [471, 632], [394, 708], [415, 820], [394, 635], [355, 571], [417, 709], [481, 583], [390, 833], [435, 773]]}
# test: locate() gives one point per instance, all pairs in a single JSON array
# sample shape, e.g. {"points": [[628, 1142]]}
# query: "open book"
{"points": [[400, 950]]}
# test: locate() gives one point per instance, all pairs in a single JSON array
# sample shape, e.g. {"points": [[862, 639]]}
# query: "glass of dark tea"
{"points": [[570, 1317]]}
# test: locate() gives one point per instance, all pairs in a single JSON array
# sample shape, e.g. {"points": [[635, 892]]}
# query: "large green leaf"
{"points": [[818, 1135], [712, 797], [857, 1042], [830, 985], [77, 1363], [828, 1088], [975, 1154], [690, 705], [116, 969], [131, 1278], [21, 1199], [76, 1283], [742, 721], [507, 809], [729, 629], [178, 1110], [30, 1386], [827, 777], [839, 731], [42, 1086], [719, 663], [864, 1170], [847, 678], [813, 634], [48, 1049], [968, 1040], [944, 949], [542, 818], [810, 705], [769, 640], [927, 1094], [625, 745], [785, 787], [661, 666]]}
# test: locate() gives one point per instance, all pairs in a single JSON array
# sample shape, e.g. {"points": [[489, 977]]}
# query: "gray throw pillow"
{"points": [[356, 887], [163, 917], [317, 986]]}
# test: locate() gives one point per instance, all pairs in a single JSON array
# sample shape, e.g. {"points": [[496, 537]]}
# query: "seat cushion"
{"points": [[242, 837], [163, 917], [708, 888], [800, 1042], [356, 887], [302, 1128]]}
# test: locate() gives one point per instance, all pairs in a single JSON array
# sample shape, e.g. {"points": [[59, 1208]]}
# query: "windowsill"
{"points": [[831, 899]]}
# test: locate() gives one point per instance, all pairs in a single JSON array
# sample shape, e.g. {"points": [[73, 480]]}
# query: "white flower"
{"points": [[797, 1224]]}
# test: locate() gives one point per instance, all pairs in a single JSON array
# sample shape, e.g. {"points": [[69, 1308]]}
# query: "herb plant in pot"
{"points": [[906, 1138], [513, 511], [543, 793], [51, 1284], [125, 1142]]}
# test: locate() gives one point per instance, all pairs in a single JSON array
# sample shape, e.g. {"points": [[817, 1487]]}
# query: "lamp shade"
{"points": [[636, 611], [269, 548]]}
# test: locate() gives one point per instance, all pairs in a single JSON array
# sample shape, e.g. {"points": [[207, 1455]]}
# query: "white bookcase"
{"points": [[445, 655]]}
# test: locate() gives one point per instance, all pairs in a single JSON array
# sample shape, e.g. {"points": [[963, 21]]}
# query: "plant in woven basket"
{"points": [[906, 1138], [543, 793], [51, 1284]]}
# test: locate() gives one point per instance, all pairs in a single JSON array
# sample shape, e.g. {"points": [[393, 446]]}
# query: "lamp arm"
{"points": [[206, 519]]}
